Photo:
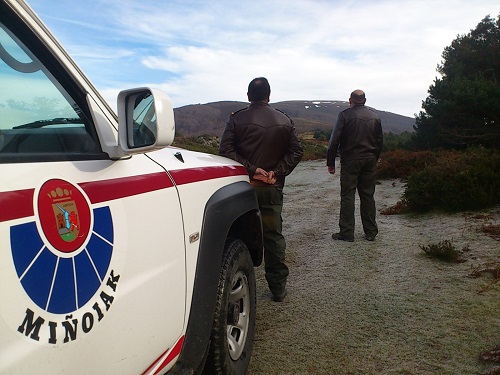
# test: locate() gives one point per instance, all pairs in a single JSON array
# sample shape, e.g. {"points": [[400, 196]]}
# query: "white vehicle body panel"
{"points": [[143, 263], [89, 246]]}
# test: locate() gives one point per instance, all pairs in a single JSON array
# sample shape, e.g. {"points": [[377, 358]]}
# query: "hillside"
{"points": [[210, 118]]}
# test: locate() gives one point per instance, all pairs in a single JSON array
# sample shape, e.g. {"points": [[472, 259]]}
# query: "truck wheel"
{"points": [[234, 319]]}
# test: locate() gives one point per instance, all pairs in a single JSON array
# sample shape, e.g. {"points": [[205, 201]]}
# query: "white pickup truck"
{"points": [[119, 254]]}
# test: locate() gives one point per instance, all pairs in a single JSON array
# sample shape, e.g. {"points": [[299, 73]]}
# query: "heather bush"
{"points": [[314, 150], [204, 143], [444, 250], [456, 181], [403, 163]]}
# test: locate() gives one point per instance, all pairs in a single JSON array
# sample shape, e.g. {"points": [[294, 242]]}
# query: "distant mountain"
{"points": [[210, 118]]}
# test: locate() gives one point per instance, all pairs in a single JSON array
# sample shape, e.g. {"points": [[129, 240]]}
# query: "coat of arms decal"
{"points": [[65, 215]]}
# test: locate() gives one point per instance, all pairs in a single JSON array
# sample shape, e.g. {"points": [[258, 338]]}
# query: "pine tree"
{"points": [[463, 107]]}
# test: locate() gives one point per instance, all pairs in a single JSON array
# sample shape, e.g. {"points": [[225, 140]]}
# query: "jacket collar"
{"points": [[259, 103]]}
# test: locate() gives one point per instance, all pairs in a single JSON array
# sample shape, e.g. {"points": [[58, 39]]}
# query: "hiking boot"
{"points": [[339, 237], [280, 297]]}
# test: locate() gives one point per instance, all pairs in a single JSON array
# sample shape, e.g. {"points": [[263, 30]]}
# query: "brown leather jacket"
{"points": [[260, 136], [357, 135]]}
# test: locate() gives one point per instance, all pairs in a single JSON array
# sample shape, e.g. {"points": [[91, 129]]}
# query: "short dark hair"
{"points": [[259, 89]]}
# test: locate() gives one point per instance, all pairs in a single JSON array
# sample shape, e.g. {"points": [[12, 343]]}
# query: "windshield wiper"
{"points": [[42, 123]]}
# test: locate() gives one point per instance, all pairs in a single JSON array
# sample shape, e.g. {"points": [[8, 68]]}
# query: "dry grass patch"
{"points": [[399, 208], [492, 355], [492, 230], [492, 267]]}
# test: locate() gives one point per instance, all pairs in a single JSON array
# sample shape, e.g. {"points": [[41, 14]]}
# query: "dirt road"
{"points": [[379, 307]]}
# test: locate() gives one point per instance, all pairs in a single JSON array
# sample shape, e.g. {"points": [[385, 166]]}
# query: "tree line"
{"points": [[463, 106]]}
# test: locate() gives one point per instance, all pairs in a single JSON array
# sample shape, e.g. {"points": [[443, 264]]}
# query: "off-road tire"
{"points": [[233, 329]]}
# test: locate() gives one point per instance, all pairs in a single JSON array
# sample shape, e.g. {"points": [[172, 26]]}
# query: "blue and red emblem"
{"points": [[62, 267]]}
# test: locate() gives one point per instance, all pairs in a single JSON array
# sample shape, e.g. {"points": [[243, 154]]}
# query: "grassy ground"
{"points": [[382, 307]]}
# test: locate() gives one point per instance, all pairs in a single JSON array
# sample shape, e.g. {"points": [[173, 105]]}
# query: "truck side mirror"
{"points": [[145, 120]]}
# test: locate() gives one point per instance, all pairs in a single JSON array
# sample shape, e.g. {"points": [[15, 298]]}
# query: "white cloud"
{"points": [[308, 49]]}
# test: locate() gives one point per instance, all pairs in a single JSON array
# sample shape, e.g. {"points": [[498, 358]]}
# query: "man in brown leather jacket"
{"points": [[358, 138], [264, 140]]}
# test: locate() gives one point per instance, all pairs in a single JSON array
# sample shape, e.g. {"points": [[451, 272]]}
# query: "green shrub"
{"points": [[322, 135], [457, 181], [203, 143], [396, 141], [313, 150], [444, 251]]}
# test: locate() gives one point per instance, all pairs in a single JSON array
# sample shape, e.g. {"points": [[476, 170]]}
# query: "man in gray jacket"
{"points": [[264, 140], [358, 138]]}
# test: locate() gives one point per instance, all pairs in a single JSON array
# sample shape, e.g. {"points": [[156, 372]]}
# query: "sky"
{"points": [[317, 50]]}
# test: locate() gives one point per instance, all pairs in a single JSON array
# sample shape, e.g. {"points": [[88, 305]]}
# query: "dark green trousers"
{"points": [[271, 204], [357, 174]]}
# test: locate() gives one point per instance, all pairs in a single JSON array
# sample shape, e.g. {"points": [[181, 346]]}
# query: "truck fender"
{"points": [[231, 211]]}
